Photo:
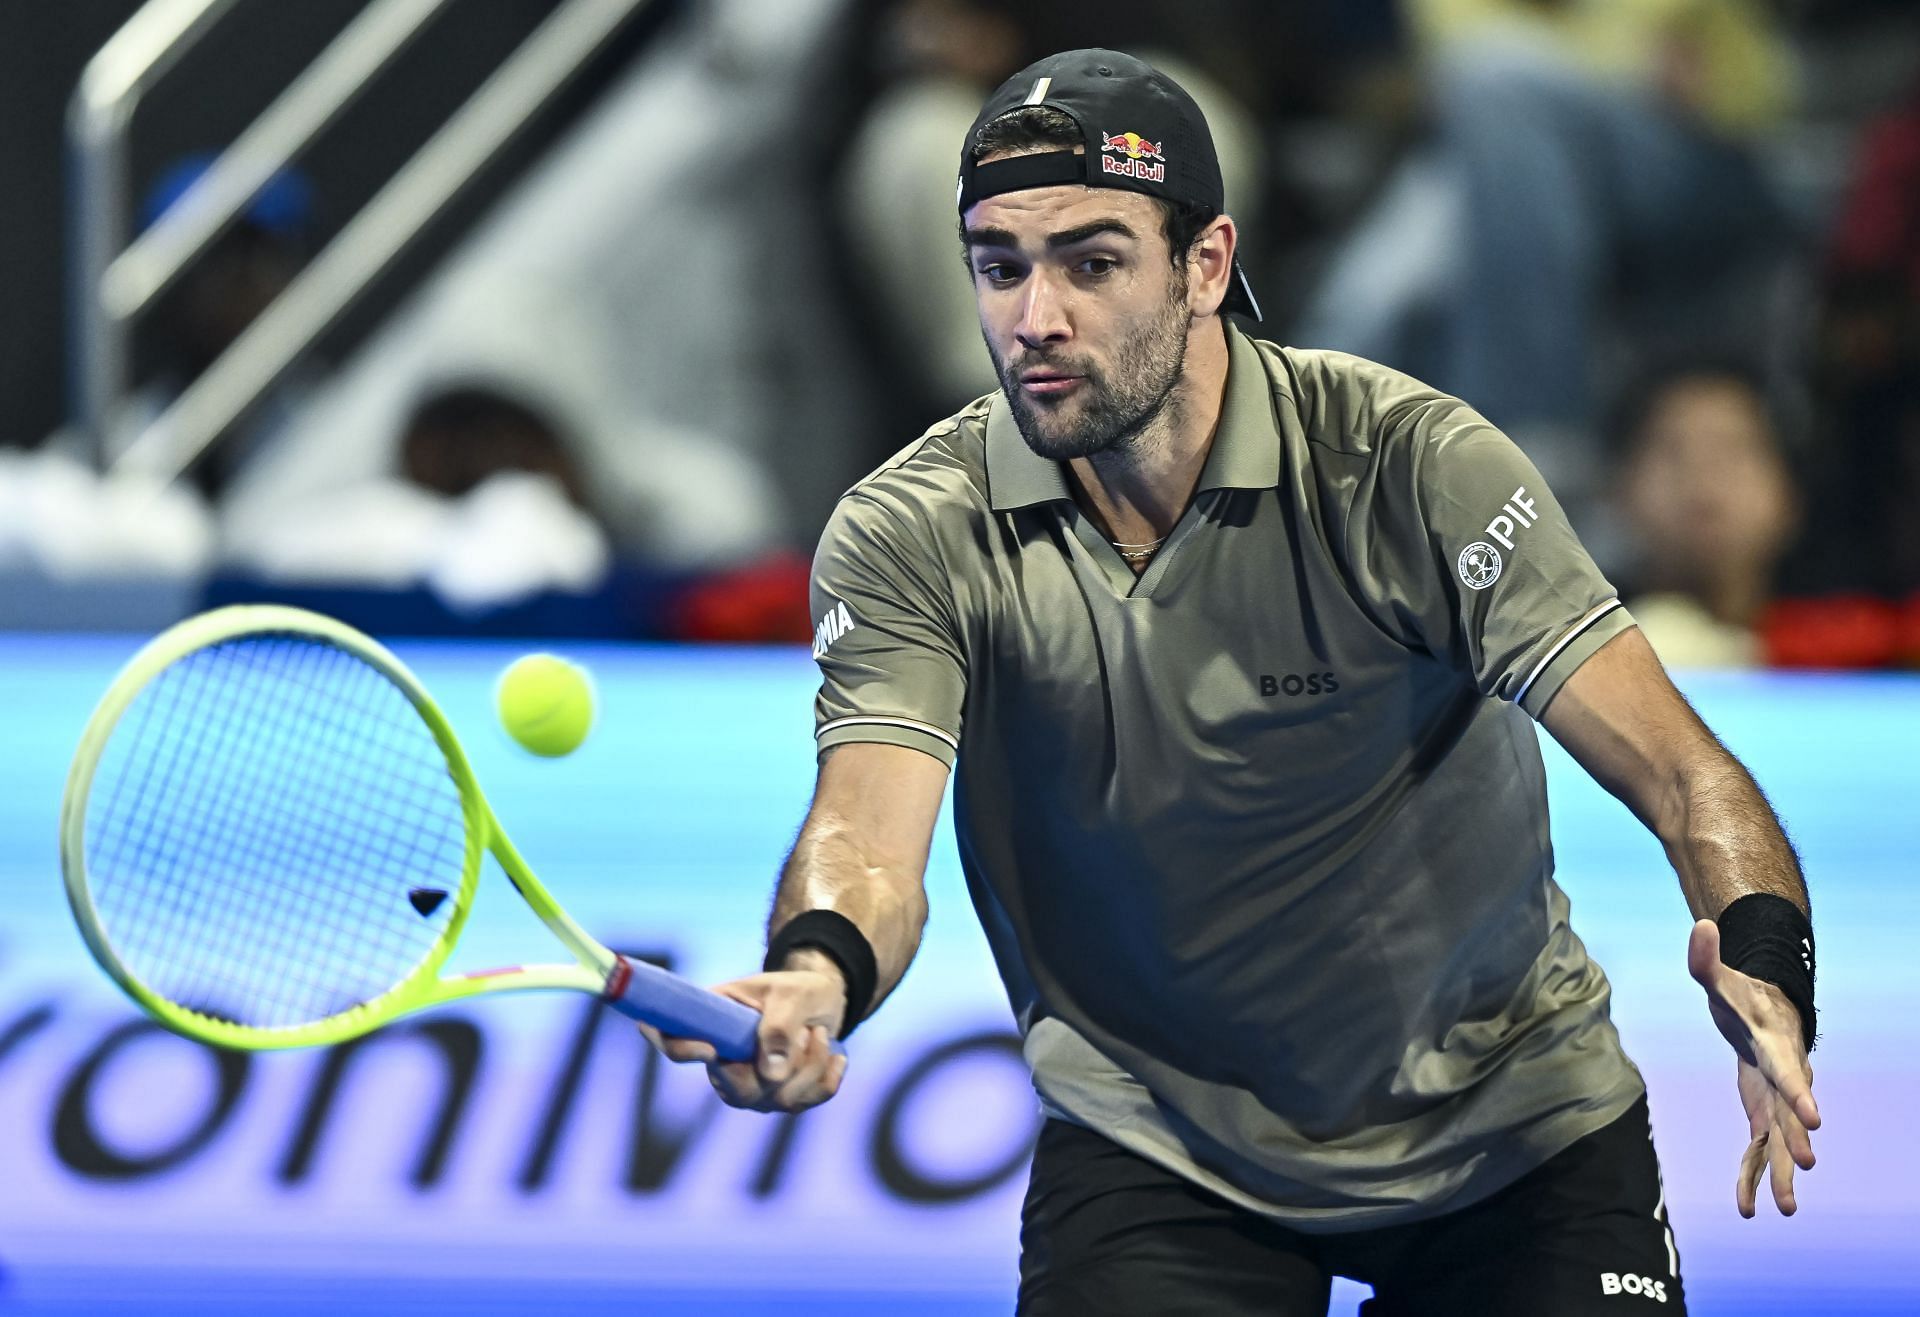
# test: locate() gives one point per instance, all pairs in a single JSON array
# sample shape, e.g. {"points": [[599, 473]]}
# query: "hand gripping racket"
{"points": [[272, 839]]}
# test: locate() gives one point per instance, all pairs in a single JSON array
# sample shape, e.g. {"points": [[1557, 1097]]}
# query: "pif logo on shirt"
{"points": [[1479, 562], [830, 628], [1515, 515]]}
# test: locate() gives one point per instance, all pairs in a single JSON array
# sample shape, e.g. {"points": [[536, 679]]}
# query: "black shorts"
{"points": [[1105, 1231]]}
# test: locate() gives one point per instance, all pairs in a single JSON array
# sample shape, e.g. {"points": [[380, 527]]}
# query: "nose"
{"points": [[1043, 313]]}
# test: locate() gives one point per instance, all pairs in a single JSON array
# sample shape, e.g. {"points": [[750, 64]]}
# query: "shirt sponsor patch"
{"points": [[1479, 562], [837, 622], [1479, 565]]}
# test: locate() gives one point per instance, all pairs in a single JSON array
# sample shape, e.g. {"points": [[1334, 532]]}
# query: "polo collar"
{"points": [[1245, 452]]}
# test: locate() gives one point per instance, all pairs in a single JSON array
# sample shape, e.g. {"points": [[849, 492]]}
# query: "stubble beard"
{"points": [[1115, 407]]}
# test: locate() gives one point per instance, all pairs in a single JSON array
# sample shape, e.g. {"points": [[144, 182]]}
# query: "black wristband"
{"points": [[1767, 937], [841, 941]]}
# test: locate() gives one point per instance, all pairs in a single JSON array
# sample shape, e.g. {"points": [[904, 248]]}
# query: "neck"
{"points": [[1137, 490]]}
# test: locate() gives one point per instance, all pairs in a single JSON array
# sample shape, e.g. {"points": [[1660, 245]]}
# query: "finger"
{"points": [[1793, 1137], [1747, 1186], [678, 1049], [750, 991], [780, 1040], [1785, 1067], [689, 1049], [1781, 1165], [807, 1087], [737, 1083]]}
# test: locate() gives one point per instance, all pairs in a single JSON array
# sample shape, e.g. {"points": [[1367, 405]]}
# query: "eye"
{"points": [[1098, 266], [998, 273]]}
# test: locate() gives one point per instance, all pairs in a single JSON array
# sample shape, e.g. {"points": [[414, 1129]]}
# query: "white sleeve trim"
{"points": [[1573, 634], [856, 719]]}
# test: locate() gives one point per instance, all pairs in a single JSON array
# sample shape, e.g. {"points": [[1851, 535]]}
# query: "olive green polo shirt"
{"points": [[1259, 837]]}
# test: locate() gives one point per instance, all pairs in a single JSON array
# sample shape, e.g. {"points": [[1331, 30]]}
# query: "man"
{"points": [[1226, 641]]}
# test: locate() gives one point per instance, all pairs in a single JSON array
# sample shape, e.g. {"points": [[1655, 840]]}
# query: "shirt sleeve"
{"points": [[885, 636], [1480, 561]]}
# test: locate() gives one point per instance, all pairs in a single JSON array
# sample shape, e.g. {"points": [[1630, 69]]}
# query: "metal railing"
{"points": [[113, 285]]}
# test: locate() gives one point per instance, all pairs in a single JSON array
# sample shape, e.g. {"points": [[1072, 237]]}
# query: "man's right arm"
{"points": [[862, 853]]}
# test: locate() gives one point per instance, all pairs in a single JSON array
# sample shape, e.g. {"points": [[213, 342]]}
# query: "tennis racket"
{"points": [[272, 839]]}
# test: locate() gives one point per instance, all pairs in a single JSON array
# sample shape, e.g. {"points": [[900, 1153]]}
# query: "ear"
{"points": [[1210, 266]]}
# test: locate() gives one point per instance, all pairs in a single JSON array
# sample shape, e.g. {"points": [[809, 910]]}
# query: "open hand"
{"points": [[795, 1065], [1775, 1080]]}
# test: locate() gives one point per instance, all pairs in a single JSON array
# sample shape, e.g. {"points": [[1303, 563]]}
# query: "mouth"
{"points": [[1049, 383]]}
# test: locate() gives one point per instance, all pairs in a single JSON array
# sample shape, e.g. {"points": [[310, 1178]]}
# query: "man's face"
{"points": [[1084, 315]]}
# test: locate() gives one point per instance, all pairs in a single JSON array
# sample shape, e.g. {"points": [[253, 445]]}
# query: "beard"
{"points": [[1113, 406]]}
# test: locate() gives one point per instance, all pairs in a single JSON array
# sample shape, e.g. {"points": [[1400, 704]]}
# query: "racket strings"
{"points": [[275, 836], [256, 824], [205, 803]]}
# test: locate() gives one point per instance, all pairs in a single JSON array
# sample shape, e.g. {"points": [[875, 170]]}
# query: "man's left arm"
{"points": [[1621, 718]]}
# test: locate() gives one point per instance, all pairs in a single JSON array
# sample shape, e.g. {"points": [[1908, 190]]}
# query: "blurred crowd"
{"points": [[1671, 246]]}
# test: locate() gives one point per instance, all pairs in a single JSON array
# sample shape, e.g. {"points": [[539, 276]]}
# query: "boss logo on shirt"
{"points": [[1627, 1283], [1300, 683], [834, 625]]}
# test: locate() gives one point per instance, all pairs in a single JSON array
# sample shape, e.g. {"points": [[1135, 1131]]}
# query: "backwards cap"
{"points": [[1143, 133]]}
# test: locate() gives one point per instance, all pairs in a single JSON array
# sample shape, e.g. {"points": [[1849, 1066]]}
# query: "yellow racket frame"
{"points": [[593, 966]]}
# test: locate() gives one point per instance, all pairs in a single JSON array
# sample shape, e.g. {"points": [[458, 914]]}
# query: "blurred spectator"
{"points": [[488, 510], [1710, 507], [60, 521], [650, 321], [458, 439], [1577, 145], [216, 299], [943, 59], [1868, 375]]}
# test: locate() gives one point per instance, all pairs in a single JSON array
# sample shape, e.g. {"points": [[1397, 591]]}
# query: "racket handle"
{"points": [[682, 1010]]}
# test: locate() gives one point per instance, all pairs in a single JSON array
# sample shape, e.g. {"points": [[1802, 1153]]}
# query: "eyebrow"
{"points": [[988, 237]]}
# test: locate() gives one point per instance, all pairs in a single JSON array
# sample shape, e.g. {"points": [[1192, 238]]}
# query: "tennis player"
{"points": [[1235, 648]]}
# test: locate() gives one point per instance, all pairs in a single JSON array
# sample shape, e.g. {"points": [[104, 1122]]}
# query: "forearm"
{"points": [[829, 870], [1725, 841]]}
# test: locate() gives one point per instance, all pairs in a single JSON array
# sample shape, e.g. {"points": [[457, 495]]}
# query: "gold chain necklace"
{"points": [[1137, 552]]}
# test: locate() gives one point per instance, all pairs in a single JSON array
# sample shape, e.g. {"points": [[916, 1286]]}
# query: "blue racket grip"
{"points": [[682, 1010], [679, 1009]]}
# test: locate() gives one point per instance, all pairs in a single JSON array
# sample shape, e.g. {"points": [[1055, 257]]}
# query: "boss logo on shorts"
{"points": [[837, 622], [1613, 1282]]}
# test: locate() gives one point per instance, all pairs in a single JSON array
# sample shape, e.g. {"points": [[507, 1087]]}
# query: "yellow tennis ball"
{"points": [[545, 703]]}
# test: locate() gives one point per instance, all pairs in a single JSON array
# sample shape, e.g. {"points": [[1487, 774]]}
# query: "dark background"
{"points": [[253, 52]]}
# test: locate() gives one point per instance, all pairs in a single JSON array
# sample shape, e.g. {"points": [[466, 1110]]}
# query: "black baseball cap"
{"points": [[1143, 133]]}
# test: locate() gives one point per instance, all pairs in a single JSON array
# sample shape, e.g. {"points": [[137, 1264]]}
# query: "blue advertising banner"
{"points": [[521, 1153]]}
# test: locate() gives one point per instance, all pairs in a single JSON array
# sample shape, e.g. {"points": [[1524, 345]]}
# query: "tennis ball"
{"points": [[545, 703]]}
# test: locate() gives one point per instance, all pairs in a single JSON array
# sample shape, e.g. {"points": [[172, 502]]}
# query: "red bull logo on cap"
{"points": [[1139, 157]]}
